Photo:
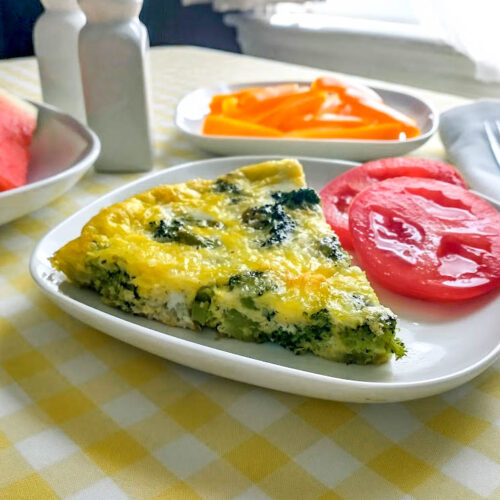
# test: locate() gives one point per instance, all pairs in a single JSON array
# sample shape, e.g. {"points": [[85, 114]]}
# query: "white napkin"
{"points": [[464, 137]]}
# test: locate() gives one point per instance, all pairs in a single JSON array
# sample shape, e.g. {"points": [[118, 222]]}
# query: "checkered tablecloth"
{"points": [[85, 416]]}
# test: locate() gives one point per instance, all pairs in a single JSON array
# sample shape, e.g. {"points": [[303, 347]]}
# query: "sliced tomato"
{"points": [[338, 194], [426, 238]]}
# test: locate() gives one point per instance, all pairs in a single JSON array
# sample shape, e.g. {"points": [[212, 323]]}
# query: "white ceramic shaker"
{"points": [[113, 49], [55, 38]]}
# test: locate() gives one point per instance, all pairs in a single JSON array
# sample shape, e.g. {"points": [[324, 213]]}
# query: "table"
{"points": [[85, 416]]}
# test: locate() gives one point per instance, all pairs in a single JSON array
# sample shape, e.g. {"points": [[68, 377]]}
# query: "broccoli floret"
{"points": [[251, 285], [299, 198], [330, 248], [377, 333], [259, 217], [176, 232], [224, 186], [121, 279], [236, 324], [388, 329], [360, 301], [291, 340], [249, 303], [254, 283], [268, 314], [271, 218], [200, 222], [398, 348], [113, 283], [299, 338], [200, 309]]}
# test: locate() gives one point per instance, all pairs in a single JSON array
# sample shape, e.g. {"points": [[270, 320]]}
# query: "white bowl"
{"points": [[448, 344], [62, 151], [193, 108]]}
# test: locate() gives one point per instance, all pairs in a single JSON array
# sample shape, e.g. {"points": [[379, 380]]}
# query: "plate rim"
{"points": [[278, 140], [85, 160], [361, 387]]}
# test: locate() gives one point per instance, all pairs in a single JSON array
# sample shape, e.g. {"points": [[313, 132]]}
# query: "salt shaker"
{"points": [[113, 60], [55, 39]]}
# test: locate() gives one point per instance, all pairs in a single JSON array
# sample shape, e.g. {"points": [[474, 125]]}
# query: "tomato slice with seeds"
{"points": [[339, 193], [426, 238]]}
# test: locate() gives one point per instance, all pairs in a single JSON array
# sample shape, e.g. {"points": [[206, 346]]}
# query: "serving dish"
{"points": [[447, 344], [62, 151], [193, 107]]}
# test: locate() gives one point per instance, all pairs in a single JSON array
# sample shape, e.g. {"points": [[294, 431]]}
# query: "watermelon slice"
{"points": [[17, 125]]}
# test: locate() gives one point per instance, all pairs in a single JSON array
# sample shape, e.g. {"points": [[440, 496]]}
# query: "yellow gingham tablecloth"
{"points": [[85, 416]]}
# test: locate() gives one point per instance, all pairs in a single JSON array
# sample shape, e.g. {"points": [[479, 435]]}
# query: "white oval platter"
{"points": [[193, 108]]}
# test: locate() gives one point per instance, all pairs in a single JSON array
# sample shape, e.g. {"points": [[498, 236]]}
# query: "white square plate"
{"points": [[448, 344]]}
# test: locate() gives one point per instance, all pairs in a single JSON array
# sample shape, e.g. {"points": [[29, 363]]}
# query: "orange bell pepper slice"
{"points": [[216, 103], [221, 125], [295, 105], [381, 113], [256, 111], [218, 99], [334, 84], [229, 106], [253, 101], [332, 104], [323, 120], [383, 131], [252, 96]]}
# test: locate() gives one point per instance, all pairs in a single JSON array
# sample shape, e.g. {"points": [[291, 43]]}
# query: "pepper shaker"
{"points": [[113, 60], [55, 39]]}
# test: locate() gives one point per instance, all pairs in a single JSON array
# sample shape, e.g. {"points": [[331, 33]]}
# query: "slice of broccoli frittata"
{"points": [[249, 254]]}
